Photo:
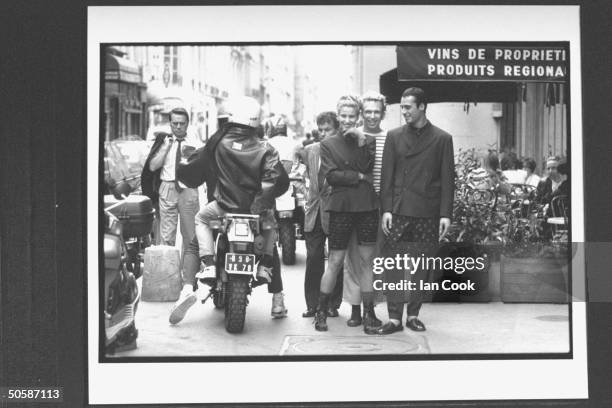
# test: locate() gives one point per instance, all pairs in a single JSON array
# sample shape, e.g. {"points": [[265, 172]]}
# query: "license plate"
{"points": [[239, 263]]}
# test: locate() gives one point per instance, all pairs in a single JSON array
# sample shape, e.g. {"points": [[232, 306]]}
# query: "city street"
{"points": [[452, 328], [145, 83]]}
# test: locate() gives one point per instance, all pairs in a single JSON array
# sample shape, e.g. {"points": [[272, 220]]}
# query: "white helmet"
{"points": [[244, 110]]}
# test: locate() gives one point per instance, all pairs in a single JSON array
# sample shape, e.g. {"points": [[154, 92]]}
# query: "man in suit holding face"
{"points": [[417, 187]]}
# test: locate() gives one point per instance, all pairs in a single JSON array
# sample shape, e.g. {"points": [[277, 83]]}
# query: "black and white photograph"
{"points": [[368, 195], [506, 192]]}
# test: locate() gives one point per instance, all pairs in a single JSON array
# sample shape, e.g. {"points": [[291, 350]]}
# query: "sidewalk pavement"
{"points": [[452, 328]]}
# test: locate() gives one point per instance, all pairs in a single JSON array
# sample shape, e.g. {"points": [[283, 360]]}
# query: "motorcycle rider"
{"points": [[249, 176], [276, 131]]}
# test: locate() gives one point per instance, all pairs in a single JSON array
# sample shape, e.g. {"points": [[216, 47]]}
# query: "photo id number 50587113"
{"points": [[31, 394]]}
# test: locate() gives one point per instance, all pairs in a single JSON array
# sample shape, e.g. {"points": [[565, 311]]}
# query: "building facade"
{"points": [[201, 78], [124, 110]]}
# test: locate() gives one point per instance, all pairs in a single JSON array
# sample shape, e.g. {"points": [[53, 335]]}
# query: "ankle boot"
{"points": [[375, 320], [355, 319], [370, 322], [321, 314]]}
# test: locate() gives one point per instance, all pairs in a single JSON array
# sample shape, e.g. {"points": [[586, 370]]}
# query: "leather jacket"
{"points": [[249, 175], [150, 180]]}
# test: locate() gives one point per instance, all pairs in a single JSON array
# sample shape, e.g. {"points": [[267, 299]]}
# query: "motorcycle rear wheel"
{"points": [[235, 308]]}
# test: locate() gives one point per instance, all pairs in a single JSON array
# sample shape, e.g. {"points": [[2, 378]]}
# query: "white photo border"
{"points": [[190, 382]]}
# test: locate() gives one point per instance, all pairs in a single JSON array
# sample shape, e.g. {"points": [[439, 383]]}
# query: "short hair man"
{"points": [[373, 107], [417, 187], [316, 220], [347, 159], [160, 183]]}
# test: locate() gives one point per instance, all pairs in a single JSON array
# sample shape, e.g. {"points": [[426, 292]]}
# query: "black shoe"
{"points": [[332, 312], [354, 321], [370, 322], [375, 321], [369, 328], [415, 324], [389, 328], [310, 312], [320, 321]]}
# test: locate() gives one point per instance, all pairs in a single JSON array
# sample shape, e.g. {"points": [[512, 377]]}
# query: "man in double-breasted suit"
{"points": [[417, 188]]}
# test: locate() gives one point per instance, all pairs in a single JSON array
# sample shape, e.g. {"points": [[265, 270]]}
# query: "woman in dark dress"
{"points": [[347, 160]]}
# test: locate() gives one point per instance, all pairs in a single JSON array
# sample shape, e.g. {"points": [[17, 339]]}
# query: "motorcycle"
{"points": [[239, 246], [121, 294], [290, 215]]}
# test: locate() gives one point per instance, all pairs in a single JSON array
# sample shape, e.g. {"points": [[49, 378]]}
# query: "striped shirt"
{"points": [[380, 145]]}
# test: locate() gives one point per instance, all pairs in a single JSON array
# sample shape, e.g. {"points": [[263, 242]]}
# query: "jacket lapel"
{"points": [[416, 144]]}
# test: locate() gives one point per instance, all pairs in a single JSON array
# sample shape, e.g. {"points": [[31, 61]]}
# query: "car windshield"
{"points": [[124, 160]]}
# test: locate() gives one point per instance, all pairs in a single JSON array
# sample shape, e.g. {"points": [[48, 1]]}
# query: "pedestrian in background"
{"points": [[489, 176], [529, 165], [553, 180], [176, 200], [316, 221], [287, 147]]}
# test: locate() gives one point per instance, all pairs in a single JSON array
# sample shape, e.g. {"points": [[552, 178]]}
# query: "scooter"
{"points": [[238, 247], [121, 294], [136, 214], [128, 225]]}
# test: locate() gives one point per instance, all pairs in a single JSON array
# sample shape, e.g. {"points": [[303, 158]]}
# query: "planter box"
{"points": [[534, 280], [480, 278]]}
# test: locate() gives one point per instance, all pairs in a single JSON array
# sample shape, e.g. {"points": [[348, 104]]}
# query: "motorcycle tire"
{"points": [[286, 233], [235, 309], [219, 297]]}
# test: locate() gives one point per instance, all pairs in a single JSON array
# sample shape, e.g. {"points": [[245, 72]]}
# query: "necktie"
{"points": [[177, 160]]}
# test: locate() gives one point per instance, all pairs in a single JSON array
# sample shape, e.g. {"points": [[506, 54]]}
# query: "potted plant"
{"points": [[534, 264], [476, 229]]}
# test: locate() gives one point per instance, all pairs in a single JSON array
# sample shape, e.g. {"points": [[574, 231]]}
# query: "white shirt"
{"points": [[169, 167]]}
